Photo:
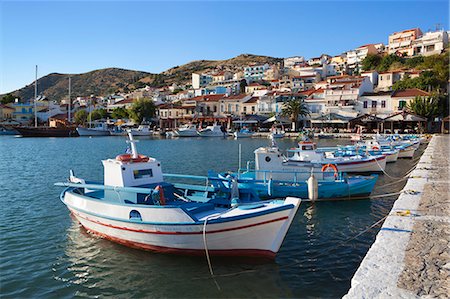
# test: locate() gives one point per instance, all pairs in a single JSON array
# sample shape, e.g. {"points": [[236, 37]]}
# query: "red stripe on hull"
{"points": [[256, 253], [178, 233]]}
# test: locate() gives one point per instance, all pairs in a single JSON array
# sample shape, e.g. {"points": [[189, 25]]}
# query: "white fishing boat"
{"points": [[306, 155], [136, 208], [187, 130], [142, 130], [212, 131], [99, 129]]}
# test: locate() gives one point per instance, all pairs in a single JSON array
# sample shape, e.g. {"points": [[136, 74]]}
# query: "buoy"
{"points": [[313, 187]]}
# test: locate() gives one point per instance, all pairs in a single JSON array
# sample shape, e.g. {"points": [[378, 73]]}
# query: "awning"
{"points": [[278, 119]]}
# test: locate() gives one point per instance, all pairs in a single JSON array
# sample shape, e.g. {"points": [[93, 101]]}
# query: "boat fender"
{"points": [[313, 187], [160, 192], [334, 167]]}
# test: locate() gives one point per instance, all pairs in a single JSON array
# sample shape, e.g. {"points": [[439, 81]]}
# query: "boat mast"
{"points": [[35, 98], [90, 111], [68, 117]]}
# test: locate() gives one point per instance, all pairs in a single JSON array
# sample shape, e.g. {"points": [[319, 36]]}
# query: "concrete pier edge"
{"points": [[378, 273]]}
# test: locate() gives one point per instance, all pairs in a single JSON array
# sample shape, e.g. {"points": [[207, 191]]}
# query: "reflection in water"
{"points": [[45, 253]]}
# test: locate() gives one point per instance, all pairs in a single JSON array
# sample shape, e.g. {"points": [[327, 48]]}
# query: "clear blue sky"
{"points": [[76, 37]]}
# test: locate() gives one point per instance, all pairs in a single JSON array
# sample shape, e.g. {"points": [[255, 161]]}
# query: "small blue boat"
{"points": [[329, 186]]}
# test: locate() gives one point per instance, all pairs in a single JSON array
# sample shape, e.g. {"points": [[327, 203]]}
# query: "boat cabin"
{"points": [[305, 152]]}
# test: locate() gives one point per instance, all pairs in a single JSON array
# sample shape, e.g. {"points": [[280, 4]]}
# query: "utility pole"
{"points": [[70, 101], [35, 99]]}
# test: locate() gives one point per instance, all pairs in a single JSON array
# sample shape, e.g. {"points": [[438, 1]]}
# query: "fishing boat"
{"points": [[276, 132], [99, 129], [368, 148], [307, 153], [137, 208], [187, 130], [144, 129], [243, 133], [212, 131]]}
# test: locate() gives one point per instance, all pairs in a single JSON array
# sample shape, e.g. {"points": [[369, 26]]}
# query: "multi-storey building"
{"points": [[255, 72], [430, 43], [402, 42], [355, 57], [200, 80], [291, 61]]}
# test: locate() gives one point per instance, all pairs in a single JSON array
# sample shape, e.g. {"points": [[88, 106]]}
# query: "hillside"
{"points": [[182, 74], [99, 82], [106, 81]]}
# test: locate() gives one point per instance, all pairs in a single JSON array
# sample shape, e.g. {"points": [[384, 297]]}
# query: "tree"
{"points": [[80, 117], [295, 108], [424, 106], [143, 108], [242, 86], [9, 98], [120, 113], [371, 62], [98, 114], [386, 62]]}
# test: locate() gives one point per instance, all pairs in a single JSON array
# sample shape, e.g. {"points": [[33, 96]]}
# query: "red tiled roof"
{"points": [[236, 97], [409, 93], [126, 101], [208, 98], [252, 100], [255, 84]]}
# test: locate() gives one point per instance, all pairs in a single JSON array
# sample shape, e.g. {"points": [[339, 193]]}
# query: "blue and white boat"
{"points": [[243, 133], [137, 208]]}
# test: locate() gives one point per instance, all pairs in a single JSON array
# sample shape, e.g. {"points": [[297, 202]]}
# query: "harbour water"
{"points": [[45, 252]]}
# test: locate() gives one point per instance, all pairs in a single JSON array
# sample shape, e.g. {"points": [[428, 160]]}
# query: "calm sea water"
{"points": [[45, 252]]}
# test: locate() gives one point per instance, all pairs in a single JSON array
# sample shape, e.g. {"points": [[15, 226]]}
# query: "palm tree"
{"points": [[424, 106], [295, 108]]}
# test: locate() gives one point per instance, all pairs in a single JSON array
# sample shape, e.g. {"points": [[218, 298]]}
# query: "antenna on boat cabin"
{"points": [[132, 142]]}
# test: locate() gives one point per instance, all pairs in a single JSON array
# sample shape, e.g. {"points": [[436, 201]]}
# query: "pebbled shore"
{"points": [[410, 257]]}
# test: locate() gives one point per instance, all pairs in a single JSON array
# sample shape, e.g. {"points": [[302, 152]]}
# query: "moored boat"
{"points": [[46, 132], [243, 133], [137, 208], [188, 130], [99, 129], [213, 131]]}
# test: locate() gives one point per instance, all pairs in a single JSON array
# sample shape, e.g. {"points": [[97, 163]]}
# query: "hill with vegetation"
{"points": [[113, 80], [434, 75]]}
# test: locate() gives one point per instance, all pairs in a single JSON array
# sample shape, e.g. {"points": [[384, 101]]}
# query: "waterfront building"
{"points": [[375, 103], [387, 79], [250, 106], [255, 72], [6, 112], [430, 43], [125, 103], [342, 93], [170, 115], [233, 105], [401, 98], [200, 80], [402, 42]]}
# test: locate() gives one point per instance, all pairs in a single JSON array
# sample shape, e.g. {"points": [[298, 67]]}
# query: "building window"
{"points": [[221, 108], [383, 104], [229, 108], [374, 104], [253, 108], [401, 105], [389, 77], [365, 104], [237, 107], [245, 109]]}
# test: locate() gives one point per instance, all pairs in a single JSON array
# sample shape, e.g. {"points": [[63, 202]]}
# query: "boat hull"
{"points": [[352, 187], [243, 135], [46, 132], [259, 235], [406, 152], [92, 132], [185, 133]]}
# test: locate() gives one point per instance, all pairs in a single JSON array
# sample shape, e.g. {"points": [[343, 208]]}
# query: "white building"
{"points": [[200, 80], [430, 43], [355, 57], [379, 103], [255, 72], [291, 61]]}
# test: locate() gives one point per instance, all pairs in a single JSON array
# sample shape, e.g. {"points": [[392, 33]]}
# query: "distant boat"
{"points": [[142, 130], [8, 131], [46, 132], [243, 133], [188, 130], [212, 131], [100, 129]]}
